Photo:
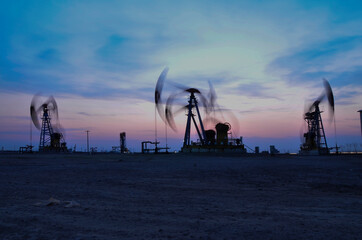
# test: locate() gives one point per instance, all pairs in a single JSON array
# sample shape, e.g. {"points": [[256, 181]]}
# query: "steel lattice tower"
{"points": [[193, 104], [46, 130], [315, 138]]}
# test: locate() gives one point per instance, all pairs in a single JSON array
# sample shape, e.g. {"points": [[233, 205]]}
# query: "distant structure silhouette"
{"points": [[51, 137], [314, 140], [360, 117], [206, 138], [122, 139]]}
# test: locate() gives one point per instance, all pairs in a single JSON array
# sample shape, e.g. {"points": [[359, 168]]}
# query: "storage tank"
{"points": [[210, 137], [222, 133]]}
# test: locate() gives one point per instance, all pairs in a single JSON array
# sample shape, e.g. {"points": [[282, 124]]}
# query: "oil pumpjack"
{"points": [[314, 140], [51, 137], [206, 141]]}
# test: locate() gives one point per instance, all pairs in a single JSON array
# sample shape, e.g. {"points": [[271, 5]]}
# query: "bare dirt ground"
{"points": [[180, 196]]}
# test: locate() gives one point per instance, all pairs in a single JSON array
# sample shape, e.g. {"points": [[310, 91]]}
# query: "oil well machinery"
{"points": [[122, 142], [314, 139], [209, 140], [44, 115]]}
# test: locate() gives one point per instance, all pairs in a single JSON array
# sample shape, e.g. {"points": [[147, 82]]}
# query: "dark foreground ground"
{"points": [[180, 197]]}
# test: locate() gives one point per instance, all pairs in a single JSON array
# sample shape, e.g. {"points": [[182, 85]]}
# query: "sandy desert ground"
{"points": [[180, 196]]}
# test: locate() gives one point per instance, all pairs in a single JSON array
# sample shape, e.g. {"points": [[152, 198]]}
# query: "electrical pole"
{"points": [[87, 140], [360, 116]]}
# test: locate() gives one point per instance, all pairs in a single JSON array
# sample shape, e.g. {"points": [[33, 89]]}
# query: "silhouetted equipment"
{"points": [[273, 150], [122, 139], [26, 149], [206, 138], [145, 148], [193, 104], [116, 149], [314, 140], [122, 144], [51, 136], [222, 133], [210, 137], [360, 117], [156, 149]]}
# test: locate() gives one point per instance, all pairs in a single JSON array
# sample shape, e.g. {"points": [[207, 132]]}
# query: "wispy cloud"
{"points": [[257, 90], [16, 117], [95, 114], [261, 109], [339, 60]]}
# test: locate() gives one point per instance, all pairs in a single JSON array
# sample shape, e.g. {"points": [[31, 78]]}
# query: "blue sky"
{"points": [[101, 61]]}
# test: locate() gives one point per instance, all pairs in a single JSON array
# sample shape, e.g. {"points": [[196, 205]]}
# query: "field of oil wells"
{"points": [[180, 120]]}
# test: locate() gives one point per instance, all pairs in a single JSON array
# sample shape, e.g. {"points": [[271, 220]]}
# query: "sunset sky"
{"points": [[101, 61]]}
